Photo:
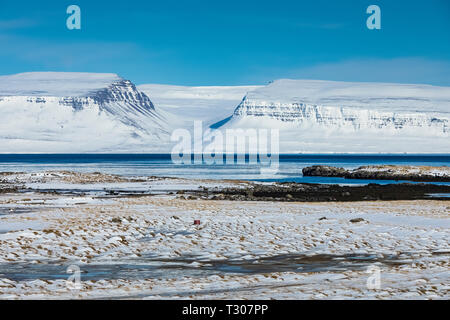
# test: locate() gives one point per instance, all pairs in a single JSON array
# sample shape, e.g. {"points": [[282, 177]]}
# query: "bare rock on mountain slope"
{"points": [[76, 112], [330, 116]]}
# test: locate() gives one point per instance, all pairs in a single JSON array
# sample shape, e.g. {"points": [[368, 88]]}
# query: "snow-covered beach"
{"points": [[136, 238]]}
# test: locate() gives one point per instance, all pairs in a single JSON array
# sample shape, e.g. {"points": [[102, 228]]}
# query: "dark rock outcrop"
{"points": [[307, 192], [324, 171], [387, 172]]}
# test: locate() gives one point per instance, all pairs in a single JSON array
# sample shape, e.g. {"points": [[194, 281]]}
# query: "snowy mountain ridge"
{"points": [[55, 84], [355, 118], [84, 112], [330, 116], [363, 95], [355, 105], [97, 111]]}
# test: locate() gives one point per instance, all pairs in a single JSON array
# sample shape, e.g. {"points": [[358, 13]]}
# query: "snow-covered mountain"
{"points": [[329, 116], [86, 112], [76, 112]]}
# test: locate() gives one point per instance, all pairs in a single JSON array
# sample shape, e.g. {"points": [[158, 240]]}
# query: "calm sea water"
{"points": [[290, 166]]}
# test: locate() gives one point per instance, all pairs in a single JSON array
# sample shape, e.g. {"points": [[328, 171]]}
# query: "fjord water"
{"points": [[290, 166]]}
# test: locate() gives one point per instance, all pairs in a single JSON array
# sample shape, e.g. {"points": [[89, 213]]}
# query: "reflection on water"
{"points": [[439, 195], [14, 210], [151, 267]]}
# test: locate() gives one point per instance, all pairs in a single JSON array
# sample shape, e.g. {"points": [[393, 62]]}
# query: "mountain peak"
{"points": [[55, 84]]}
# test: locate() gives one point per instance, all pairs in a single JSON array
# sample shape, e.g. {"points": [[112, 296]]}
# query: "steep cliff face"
{"points": [[326, 116], [118, 91], [299, 114], [122, 100], [42, 112]]}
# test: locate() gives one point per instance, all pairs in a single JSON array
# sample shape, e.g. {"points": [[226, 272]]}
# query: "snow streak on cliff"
{"points": [[76, 112], [328, 116]]}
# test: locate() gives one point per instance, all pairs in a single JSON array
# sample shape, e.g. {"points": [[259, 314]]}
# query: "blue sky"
{"points": [[230, 42]]}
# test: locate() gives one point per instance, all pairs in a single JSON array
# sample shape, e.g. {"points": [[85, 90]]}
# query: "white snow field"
{"points": [[183, 105], [83, 112], [363, 95], [149, 248]]}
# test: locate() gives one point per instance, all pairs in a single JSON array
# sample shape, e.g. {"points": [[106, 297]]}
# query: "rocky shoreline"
{"points": [[118, 186], [383, 172], [295, 192]]}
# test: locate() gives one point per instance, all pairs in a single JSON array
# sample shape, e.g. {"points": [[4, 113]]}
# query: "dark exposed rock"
{"points": [[386, 172], [8, 189], [324, 171], [356, 220], [321, 192]]}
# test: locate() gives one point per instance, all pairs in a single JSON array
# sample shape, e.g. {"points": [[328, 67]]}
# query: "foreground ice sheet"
{"points": [[147, 246]]}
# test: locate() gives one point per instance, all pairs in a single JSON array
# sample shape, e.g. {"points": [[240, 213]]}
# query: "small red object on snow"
{"points": [[196, 221]]}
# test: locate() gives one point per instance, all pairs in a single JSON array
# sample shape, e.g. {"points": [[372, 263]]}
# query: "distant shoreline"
{"points": [[113, 186]]}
